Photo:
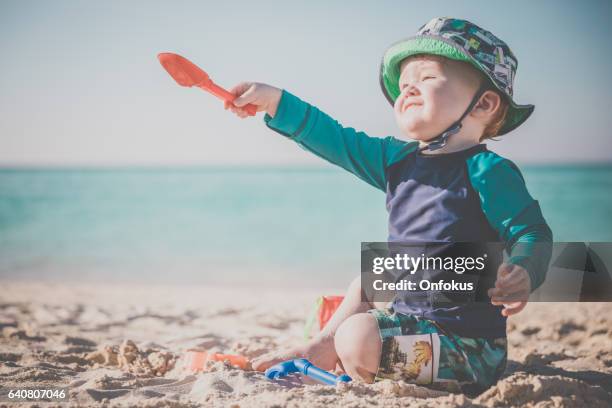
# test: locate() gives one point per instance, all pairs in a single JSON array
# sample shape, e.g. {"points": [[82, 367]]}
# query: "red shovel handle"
{"points": [[227, 96]]}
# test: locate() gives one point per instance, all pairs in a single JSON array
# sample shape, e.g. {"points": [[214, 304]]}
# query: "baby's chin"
{"points": [[415, 129], [413, 133]]}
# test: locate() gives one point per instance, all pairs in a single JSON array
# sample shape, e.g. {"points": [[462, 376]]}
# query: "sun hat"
{"points": [[459, 40]]}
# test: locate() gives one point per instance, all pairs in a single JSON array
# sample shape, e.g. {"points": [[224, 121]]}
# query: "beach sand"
{"points": [[121, 345]]}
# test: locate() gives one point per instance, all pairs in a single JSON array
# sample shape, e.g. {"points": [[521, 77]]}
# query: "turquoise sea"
{"points": [[240, 225]]}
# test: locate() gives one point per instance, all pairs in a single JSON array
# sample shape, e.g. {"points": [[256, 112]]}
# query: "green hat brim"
{"points": [[435, 45]]}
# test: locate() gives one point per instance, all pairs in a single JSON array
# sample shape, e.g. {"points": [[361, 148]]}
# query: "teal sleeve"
{"points": [[513, 213], [532, 250], [365, 156]]}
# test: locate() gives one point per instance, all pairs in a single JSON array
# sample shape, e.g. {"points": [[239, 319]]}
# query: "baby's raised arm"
{"points": [[365, 156]]}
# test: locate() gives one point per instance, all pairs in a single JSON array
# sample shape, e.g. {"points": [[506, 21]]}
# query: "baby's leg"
{"points": [[320, 350], [358, 345]]}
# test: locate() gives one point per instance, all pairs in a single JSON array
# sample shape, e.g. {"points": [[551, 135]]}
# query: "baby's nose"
{"points": [[407, 92], [411, 90]]}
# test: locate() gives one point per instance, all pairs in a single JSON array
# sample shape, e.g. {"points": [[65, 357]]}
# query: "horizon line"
{"points": [[251, 166]]}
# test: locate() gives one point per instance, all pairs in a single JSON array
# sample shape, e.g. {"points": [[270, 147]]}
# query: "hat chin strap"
{"points": [[441, 140]]}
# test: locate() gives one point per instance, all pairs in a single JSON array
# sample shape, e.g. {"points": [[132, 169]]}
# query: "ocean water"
{"points": [[243, 226]]}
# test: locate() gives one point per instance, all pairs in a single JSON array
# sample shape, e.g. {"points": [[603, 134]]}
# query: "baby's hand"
{"points": [[265, 97], [512, 289]]}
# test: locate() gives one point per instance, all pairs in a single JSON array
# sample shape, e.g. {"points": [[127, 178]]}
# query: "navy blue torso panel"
{"points": [[430, 199]]}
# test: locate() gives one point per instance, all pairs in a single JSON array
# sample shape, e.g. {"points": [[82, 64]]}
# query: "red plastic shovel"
{"points": [[188, 74]]}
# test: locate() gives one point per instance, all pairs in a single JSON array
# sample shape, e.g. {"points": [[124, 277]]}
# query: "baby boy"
{"points": [[451, 88]]}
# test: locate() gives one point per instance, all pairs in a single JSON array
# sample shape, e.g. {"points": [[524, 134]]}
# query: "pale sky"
{"points": [[80, 83]]}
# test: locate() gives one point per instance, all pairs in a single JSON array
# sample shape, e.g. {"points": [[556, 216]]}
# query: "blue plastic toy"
{"points": [[303, 366]]}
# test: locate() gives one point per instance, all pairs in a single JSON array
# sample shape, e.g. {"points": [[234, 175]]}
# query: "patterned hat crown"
{"points": [[492, 53]]}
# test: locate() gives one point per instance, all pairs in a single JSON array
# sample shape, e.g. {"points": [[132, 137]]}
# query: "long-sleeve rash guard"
{"points": [[473, 195]]}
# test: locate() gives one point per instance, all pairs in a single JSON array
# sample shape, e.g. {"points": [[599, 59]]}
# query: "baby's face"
{"points": [[434, 93]]}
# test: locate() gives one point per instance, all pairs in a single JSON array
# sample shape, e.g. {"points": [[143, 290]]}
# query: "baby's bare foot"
{"points": [[320, 352]]}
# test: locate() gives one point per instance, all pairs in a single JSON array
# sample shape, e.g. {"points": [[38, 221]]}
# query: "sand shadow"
{"points": [[591, 377]]}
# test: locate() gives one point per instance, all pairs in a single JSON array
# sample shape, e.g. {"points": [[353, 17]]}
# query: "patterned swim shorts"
{"points": [[419, 351]]}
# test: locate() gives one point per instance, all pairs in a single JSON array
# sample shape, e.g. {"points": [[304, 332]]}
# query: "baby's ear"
{"points": [[490, 101], [493, 108]]}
